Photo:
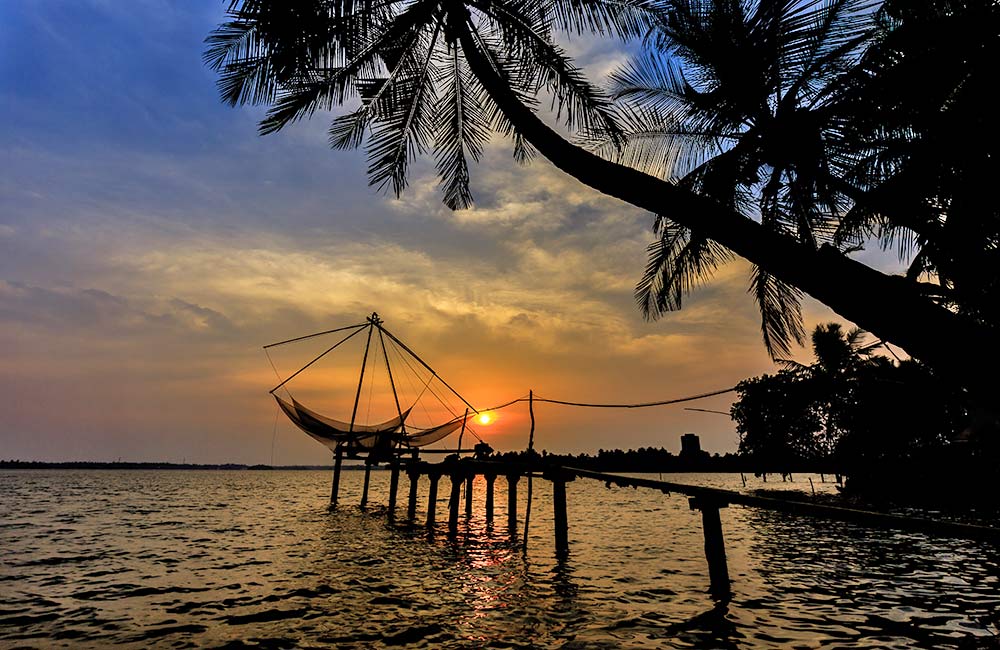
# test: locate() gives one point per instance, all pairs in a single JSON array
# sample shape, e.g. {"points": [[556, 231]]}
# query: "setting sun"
{"points": [[485, 419]]}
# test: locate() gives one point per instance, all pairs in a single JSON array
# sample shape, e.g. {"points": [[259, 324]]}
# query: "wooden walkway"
{"points": [[709, 501]]}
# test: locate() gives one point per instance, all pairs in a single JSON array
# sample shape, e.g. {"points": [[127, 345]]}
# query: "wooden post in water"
{"points": [[512, 480], [456, 495], [559, 519], [368, 477], [393, 486], [715, 545], [411, 505], [490, 480], [338, 459], [531, 446], [468, 495], [432, 497]]}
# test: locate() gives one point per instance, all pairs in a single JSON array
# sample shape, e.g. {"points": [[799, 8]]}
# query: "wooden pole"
{"points": [[456, 495], [560, 519], [338, 459], [490, 480], [531, 444], [461, 433], [364, 492], [512, 480], [411, 505], [715, 545], [468, 495], [432, 497], [361, 379], [393, 486]]}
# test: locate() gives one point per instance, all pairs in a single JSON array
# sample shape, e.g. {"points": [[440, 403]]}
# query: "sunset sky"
{"points": [[151, 243]]}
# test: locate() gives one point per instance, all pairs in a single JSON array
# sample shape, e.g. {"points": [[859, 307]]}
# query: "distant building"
{"points": [[691, 447]]}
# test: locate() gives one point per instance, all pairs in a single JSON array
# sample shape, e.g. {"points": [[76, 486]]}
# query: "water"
{"points": [[203, 559]]}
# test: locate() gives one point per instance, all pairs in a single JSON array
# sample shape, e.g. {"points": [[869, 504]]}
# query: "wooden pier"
{"points": [[708, 501]]}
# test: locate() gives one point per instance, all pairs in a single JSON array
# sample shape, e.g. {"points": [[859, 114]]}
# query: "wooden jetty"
{"points": [[708, 501]]}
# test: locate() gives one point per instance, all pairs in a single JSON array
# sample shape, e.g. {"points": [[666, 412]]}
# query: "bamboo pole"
{"points": [[531, 445]]}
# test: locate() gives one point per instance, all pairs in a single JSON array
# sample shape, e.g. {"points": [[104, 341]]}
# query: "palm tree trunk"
{"points": [[889, 307]]}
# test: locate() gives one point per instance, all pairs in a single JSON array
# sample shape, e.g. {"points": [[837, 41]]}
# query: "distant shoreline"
{"points": [[31, 464]]}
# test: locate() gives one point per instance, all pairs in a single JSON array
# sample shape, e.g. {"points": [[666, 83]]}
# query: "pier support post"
{"points": [[468, 495], [560, 521], [393, 487], [432, 497], [456, 496], [338, 457], [490, 480], [715, 546], [368, 478], [512, 480], [411, 505]]}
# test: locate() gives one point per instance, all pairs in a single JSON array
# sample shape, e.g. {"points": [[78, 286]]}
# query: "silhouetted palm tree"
{"points": [[439, 74], [833, 378], [403, 61], [744, 102]]}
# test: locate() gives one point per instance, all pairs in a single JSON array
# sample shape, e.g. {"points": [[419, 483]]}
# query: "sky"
{"points": [[151, 243]]}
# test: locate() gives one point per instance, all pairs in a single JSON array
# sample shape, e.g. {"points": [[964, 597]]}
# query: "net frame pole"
{"points": [[328, 351], [424, 364], [309, 336], [361, 380], [392, 383]]}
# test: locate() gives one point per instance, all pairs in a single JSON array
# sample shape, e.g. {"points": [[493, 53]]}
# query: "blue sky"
{"points": [[151, 242]]}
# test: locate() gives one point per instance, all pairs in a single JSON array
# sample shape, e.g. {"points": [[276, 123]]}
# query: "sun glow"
{"points": [[485, 419]]}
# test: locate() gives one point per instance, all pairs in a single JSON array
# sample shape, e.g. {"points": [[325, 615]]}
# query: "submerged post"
{"points": [[338, 459], [560, 521], [368, 477], [432, 497], [393, 486], [456, 495], [411, 505], [490, 479], [512, 480], [715, 546], [468, 495]]}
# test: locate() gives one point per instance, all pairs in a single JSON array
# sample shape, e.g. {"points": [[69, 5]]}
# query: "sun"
{"points": [[485, 419]]}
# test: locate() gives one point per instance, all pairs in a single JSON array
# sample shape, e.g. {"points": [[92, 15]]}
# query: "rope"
{"points": [[640, 405], [666, 402], [276, 373], [274, 432]]}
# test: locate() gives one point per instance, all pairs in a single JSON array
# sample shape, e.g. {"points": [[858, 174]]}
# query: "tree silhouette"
{"points": [[440, 74], [849, 406]]}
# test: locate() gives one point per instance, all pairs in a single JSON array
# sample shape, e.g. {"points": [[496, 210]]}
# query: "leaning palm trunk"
{"points": [[889, 307]]}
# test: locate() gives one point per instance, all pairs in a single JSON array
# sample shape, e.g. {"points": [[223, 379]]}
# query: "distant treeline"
{"points": [[650, 459]]}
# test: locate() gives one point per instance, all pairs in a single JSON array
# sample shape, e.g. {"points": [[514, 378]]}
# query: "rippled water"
{"points": [[254, 559]]}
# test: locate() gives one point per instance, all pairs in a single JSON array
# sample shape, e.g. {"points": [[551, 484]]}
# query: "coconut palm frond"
{"points": [[408, 130], [678, 262], [576, 102], [624, 19], [780, 312], [462, 130]]}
